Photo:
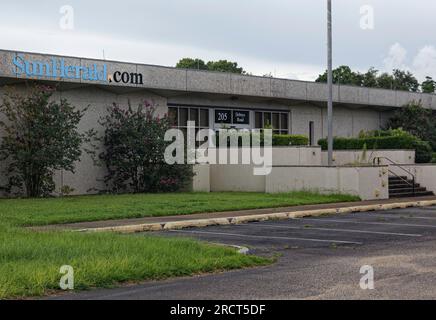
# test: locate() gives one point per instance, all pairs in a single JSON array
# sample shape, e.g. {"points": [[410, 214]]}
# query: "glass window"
{"points": [[258, 120], [183, 117], [204, 118], [179, 116], [193, 115], [173, 116], [284, 121], [267, 119], [276, 121]]}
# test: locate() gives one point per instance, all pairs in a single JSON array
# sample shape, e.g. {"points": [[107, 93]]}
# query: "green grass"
{"points": [[26, 212], [30, 261]]}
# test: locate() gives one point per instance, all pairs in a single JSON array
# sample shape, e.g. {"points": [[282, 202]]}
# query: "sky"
{"points": [[284, 38]]}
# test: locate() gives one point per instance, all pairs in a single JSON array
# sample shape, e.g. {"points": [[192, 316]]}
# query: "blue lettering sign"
{"points": [[58, 69]]}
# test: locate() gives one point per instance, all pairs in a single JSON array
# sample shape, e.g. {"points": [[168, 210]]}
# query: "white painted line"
{"points": [[265, 237], [402, 216], [343, 230], [364, 222]]}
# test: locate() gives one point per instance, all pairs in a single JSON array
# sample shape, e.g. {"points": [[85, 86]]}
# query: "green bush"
{"points": [[378, 140], [424, 151], [134, 153], [289, 140], [277, 139], [434, 158]]}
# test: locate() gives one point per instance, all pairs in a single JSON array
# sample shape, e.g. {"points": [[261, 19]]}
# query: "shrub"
{"points": [[277, 139], [434, 158], [41, 136], [424, 151], [134, 155], [416, 120], [389, 139], [289, 140]]}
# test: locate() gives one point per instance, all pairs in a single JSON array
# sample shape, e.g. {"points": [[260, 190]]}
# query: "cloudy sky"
{"points": [[286, 38]]}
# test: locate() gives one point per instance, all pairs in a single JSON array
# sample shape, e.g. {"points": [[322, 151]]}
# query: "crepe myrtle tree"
{"points": [[134, 151], [40, 136]]}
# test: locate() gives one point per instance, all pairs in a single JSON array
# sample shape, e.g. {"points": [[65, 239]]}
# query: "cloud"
{"points": [[396, 58], [424, 64]]}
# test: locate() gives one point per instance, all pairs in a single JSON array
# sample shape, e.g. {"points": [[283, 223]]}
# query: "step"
{"points": [[398, 181], [407, 189], [410, 194], [403, 185], [398, 178]]}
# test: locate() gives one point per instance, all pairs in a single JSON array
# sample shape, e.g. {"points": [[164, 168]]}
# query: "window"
{"points": [[278, 121], [312, 133], [181, 115]]}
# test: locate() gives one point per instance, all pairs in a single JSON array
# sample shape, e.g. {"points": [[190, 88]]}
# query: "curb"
{"points": [[177, 225]]}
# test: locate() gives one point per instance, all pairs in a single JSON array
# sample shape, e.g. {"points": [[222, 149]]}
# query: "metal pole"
{"points": [[330, 83]]}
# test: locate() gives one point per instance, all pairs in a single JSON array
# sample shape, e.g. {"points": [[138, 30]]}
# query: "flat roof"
{"points": [[18, 65]]}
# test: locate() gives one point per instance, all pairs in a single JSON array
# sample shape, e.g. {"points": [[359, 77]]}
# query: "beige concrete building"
{"points": [[211, 99]]}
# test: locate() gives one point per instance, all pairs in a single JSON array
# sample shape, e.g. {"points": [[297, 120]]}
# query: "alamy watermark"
{"points": [[367, 18], [367, 280], [225, 146], [66, 21], [67, 280]]}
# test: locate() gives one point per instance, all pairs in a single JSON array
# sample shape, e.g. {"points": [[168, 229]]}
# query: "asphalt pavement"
{"points": [[318, 258]]}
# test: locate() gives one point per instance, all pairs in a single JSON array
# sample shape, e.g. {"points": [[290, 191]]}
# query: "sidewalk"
{"points": [[222, 216]]}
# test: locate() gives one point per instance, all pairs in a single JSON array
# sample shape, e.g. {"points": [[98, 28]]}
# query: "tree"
{"points": [[398, 80], [429, 85], [135, 152], [404, 80], [221, 65], [41, 136], [385, 81], [342, 75], [369, 79], [416, 120], [225, 66], [189, 63]]}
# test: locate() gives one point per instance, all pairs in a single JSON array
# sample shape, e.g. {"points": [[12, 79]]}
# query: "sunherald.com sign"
{"points": [[58, 69]]}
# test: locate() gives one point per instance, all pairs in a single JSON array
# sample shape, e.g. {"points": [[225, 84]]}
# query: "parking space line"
{"points": [[403, 216], [265, 237], [365, 222], [343, 230]]}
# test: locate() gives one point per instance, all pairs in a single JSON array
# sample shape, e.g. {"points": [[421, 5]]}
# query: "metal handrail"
{"points": [[377, 159]]}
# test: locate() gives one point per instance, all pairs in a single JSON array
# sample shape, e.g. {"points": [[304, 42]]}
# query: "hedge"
{"points": [[408, 142], [278, 139], [289, 140]]}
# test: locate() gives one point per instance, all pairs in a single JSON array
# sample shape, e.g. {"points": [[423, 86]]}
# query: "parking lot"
{"points": [[317, 258], [338, 230]]}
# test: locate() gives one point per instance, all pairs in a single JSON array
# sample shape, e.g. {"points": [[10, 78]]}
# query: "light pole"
{"points": [[330, 83]]}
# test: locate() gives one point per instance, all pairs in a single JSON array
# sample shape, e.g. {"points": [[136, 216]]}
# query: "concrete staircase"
{"points": [[399, 188]]}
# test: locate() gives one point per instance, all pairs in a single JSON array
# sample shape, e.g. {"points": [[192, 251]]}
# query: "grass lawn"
{"points": [[26, 212], [30, 261]]}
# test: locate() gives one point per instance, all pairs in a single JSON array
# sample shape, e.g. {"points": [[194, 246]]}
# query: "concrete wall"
{"points": [[347, 157], [235, 178], [201, 180], [425, 174], [280, 155], [164, 78], [366, 182], [241, 177]]}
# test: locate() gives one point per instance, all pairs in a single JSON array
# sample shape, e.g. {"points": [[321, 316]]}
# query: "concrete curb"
{"points": [[177, 225]]}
